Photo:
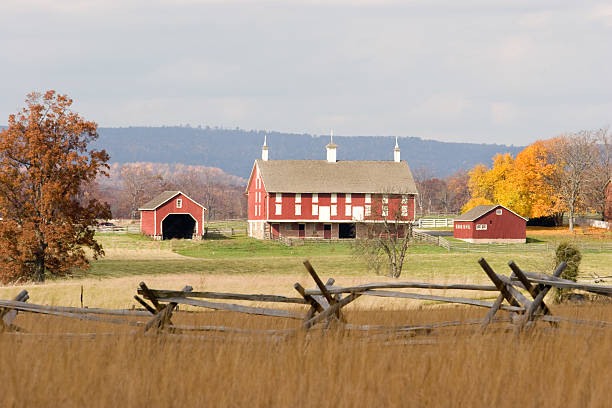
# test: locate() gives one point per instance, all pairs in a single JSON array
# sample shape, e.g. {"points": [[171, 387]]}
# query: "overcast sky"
{"points": [[487, 71]]}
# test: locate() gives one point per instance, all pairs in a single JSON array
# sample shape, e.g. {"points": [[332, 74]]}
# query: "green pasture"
{"points": [[242, 255]]}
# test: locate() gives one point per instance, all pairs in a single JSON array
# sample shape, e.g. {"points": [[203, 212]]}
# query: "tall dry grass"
{"points": [[451, 367]]}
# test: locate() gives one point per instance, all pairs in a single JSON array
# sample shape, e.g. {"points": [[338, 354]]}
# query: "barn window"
{"points": [[334, 210], [404, 210], [499, 211], [298, 209], [334, 198], [404, 199], [368, 198], [279, 197], [347, 210], [385, 199], [481, 227], [368, 210], [179, 203], [348, 198], [315, 209], [385, 210], [315, 198], [298, 197], [279, 209]]}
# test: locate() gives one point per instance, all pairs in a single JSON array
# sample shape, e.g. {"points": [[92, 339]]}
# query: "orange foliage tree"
{"points": [[44, 164], [520, 184]]}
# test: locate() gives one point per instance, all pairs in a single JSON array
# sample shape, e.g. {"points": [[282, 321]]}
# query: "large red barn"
{"points": [[490, 223], [608, 202], [172, 214], [327, 199]]}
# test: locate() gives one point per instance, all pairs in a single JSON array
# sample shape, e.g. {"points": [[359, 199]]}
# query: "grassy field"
{"points": [[103, 365], [451, 367]]}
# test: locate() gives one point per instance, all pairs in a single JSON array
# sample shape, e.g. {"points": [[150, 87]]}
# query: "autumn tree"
{"points": [[44, 164], [458, 190], [140, 184], [574, 155]]}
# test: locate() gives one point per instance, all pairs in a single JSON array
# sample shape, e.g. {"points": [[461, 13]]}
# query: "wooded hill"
{"points": [[233, 150]]}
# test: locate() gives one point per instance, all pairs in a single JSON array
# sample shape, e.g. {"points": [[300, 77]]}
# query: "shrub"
{"points": [[568, 253]]}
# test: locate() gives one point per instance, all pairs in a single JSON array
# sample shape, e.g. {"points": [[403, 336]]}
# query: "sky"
{"points": [[484, 71]]}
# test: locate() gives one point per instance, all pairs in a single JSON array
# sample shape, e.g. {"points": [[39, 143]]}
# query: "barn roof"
{"points": [[163, 198], [481, 210], [321, 176]]}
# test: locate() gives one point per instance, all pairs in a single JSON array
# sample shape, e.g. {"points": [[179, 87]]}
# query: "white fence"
{"points": [[592, 223], [435, 222]]}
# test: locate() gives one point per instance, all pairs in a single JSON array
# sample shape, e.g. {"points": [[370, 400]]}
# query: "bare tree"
{"points": [[575, 155], [388, 235], [600, 173], [140, 184]]}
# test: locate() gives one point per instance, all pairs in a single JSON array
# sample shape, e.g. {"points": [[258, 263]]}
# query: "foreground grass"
{"points": [[451, 367]]}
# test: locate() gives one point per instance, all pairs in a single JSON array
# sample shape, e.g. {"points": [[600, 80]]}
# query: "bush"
{"points": [[568, 253]]}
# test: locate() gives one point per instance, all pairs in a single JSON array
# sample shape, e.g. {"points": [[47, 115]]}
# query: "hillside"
{"points": [[233, 151]]}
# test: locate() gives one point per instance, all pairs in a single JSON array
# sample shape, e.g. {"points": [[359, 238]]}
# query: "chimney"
{"points": [[396, 152], [264, 150], [331, 149]]}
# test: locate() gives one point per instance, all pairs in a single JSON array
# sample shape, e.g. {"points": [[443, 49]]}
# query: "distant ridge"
{"points": [[233, 150]]}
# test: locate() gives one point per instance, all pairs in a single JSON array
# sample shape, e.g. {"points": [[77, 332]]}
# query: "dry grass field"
{"points": [[456, 367], [100, 365]]}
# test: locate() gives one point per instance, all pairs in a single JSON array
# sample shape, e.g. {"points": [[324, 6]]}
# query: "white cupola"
{"points": [[331, 149], [396, 152], [264, 150]]}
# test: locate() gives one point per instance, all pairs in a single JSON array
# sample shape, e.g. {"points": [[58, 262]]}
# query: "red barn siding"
{"points": [[608, 203], [147, 222], [507, 226], [188, 207]]}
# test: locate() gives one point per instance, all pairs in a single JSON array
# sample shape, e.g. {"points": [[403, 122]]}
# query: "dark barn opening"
{"points": [[347, 230], [178, 226]]}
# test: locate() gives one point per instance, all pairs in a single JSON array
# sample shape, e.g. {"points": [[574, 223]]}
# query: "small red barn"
{"points": [[172, 214], [490, 223], [608, 203]]}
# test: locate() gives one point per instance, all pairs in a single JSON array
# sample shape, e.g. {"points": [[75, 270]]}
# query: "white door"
{"points": [[324, 214], [358, 213]]}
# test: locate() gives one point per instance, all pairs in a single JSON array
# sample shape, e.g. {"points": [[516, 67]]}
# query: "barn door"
{"points": [[302, 230], [327, 231], [275, 231]]}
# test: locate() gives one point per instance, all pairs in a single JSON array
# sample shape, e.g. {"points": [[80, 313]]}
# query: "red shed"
{"points": [[172, 214], [490, 223], [608, 203]]}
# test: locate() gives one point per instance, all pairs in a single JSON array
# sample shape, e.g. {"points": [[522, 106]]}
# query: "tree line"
{"points": [[130, 185]]}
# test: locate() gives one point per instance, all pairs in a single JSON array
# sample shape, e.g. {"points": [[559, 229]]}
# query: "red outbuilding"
{"points": [[490, 223], [172, 214], [608, 202]]}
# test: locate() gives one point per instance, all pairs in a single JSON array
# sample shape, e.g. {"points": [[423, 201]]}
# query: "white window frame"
{"points": [[315, 209], [498, 211], [385, 211], [347, 198], [278, 209], [385, 199], [298, 197], [279, 197], [334, 197], [404, 210], [368, 210], [481, 227], [298, 209], [347, 210], [333, 211], [179, 203], [368, 198], [404, 199], [315, 197]]}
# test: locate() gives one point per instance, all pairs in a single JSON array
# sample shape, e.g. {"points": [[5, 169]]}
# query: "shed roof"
{"points": [[481, 210], [164, 197], [321, 176]]}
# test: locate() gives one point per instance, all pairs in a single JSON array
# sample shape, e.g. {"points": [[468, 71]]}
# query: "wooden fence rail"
{"points": [[521, 294]]}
